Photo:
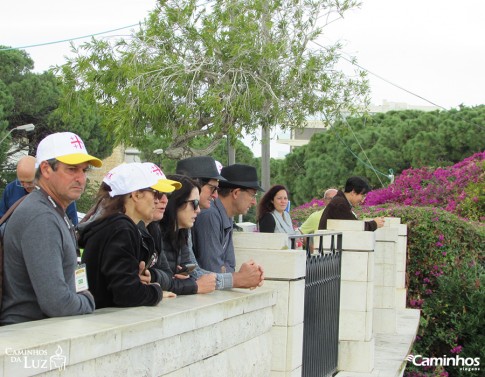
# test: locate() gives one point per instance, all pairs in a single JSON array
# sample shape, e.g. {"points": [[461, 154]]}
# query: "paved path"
{"points": [[392, 349]]}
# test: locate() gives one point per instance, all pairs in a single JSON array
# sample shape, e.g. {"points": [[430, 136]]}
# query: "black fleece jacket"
{"points": [[113, 249]]}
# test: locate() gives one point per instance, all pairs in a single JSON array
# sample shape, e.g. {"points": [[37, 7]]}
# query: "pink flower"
{"points": [[457, 349]]}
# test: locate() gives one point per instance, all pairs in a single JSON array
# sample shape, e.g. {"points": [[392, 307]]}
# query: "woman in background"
{"points": [[272, 215]]}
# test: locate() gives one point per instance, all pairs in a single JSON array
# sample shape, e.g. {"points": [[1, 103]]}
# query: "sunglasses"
{"points": [[195, 203], [157, 194]]}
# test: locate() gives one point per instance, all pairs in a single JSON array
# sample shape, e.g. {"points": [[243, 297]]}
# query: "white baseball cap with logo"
{"points": [[126, 178], [65, 147]]}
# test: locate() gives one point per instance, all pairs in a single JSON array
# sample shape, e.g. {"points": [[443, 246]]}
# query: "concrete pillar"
{"points": [[401, 261], [356, 337], [385, 278], [284, 272]]}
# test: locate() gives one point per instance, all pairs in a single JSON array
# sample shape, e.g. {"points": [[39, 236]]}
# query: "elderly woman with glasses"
{"points": [[115, 253], [180, 214]]}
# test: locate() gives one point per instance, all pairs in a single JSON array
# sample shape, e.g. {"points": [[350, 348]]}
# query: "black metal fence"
{"points": [[322, 304]]}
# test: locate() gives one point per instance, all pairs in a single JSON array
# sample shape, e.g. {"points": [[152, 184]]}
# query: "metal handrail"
{"points": [[324, 233]]}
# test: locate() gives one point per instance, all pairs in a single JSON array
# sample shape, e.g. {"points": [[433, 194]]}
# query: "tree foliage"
{"points": [[214, 69], [371, 145], [244, 155], [27, 97]]}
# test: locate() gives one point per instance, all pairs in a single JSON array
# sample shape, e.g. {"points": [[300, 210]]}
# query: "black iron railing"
{"points": [[322, 304]]}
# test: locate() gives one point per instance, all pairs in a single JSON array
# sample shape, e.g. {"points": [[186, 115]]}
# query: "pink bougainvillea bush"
{"points": [[459, 189]]}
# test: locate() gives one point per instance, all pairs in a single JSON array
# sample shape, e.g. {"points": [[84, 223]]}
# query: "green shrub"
{"points": [[445, 277]]}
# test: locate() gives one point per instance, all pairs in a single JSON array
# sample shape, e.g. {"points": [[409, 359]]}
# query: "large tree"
{"points": [[215, 68]]}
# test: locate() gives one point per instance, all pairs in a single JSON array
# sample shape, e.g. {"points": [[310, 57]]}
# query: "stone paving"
{"points": [[392, 349]]}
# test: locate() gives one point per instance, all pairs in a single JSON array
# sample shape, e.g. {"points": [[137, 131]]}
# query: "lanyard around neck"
{"points": [[62, 213]]}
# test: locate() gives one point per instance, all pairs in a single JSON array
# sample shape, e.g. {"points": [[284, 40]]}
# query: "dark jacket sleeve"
{"points": [[166, 265], [120, 267], [161, 273], [267, 223], [370, 225]]}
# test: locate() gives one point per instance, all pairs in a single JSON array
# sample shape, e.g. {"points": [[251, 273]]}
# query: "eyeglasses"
{"points": [[213, 188], [157, 194], [253, 196], [195, 203], [26, 184]]}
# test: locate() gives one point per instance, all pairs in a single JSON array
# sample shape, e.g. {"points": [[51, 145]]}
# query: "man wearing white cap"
{"points": [[41, 275], [25, 184]]}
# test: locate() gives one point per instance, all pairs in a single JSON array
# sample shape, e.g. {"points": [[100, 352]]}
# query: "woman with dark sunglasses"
{"points": [[180, 214]]}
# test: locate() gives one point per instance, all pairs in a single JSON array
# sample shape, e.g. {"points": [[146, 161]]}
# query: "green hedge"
{"points": [[445, 277]]}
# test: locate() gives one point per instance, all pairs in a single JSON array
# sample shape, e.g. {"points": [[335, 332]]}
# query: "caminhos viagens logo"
{"points": [[464, 363]]}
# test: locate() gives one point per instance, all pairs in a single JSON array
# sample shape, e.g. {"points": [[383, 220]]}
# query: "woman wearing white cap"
{"points": [[112, 243]]}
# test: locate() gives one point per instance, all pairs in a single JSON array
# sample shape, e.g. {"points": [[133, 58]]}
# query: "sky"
{"points": [[434, 49]]}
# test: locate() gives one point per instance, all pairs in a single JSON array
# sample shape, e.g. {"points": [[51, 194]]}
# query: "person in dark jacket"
{"points": [[115, 253], [340, 207], [179, 217]]}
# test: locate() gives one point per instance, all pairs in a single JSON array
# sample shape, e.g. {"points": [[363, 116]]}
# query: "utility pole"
{"points": [[231, 153], [265, 157], [266, 127]]}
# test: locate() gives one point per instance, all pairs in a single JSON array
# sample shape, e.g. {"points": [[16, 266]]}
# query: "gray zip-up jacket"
{"points": [[39, 264]]}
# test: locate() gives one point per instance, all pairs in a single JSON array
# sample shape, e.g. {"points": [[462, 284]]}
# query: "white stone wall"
{"points": [[224, 333]]}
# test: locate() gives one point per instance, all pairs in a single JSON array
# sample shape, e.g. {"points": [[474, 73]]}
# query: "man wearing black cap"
{"points": [[213, 228], [204, 169]]}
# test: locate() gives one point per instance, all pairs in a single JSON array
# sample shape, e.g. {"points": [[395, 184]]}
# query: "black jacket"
{"points": [[339, 208], [267, 223], [166, 265], [113, 249]]}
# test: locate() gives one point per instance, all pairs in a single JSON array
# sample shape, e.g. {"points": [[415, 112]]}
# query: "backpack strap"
{"points": [[2, 220], [11, 209]]}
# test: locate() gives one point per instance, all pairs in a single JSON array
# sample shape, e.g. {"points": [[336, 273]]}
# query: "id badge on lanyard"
{"points": [[81, 278]]}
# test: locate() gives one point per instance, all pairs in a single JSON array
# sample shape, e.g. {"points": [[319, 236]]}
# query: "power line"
{"points": [[66, 40], [393, 84], [362, 149], [363, 162]]}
